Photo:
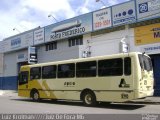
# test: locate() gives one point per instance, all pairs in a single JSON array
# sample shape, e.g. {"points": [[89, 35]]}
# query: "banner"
{"points": [[68, 28], [39, 36], [147, 34], [124, 13], [151, 48], [102, 19], [147, 9]]}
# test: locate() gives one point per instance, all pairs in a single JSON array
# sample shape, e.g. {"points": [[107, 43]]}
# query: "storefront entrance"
{"points": [[156, 69]]}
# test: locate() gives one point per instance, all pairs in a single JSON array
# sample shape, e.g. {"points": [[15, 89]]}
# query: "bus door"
{"points": [[23, 80], [146, 84]]}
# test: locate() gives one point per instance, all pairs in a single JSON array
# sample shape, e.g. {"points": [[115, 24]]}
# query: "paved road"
{"points": [[15, 104]]}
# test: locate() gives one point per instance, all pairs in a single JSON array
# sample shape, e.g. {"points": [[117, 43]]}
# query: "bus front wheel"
{"points": [[35, 95], [89, 98]]}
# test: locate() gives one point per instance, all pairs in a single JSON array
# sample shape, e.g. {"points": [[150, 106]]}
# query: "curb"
{"points": [[154, 100], [143, 102]]}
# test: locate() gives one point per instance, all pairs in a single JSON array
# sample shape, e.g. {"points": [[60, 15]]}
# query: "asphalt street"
{"points": [[11, 103]]}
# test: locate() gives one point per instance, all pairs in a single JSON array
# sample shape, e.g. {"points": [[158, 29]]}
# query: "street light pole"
{"points": [[53, 17], [101, 2], [15, 29]]}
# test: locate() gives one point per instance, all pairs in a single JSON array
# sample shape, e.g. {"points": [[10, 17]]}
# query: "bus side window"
{"points": [[49, 72], [66, 70], [127, 66], [86, 69], [35, 73]]}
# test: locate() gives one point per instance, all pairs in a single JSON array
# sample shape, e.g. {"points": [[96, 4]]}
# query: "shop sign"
{"points": [[71, 27], [21, 57], [39, 36], [15, 43], [147, 34], [32, 55], [151, 49], [102, 19], [124, 13], [148, 9], [18, 42]]}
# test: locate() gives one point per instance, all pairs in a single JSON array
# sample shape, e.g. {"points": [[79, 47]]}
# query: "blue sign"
{"points": [[147, 9], [16, 43], [124, 13], [152, 48], [121, 16], [143, 7]]}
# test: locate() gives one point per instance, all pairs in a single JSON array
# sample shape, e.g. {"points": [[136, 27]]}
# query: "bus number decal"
{"points": [[124, 96], [69, 84]]}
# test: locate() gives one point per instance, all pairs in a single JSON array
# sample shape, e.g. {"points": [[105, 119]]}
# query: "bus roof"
{"points": [[84, 59]]}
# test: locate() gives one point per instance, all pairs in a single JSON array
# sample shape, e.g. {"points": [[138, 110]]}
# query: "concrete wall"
{"points": [[8, 80], [1, 64], [10, 64], [63, 52], [104, 44]]}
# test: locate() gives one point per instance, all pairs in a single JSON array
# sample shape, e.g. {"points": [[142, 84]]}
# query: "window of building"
{"points": [[111, 67], [86, 69], [51, 46], [127, 66], [49, 72], [66, 70], [75, 41], [35, 73]]}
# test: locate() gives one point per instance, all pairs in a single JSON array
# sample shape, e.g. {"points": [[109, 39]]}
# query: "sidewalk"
{"points": [[8, 93]]}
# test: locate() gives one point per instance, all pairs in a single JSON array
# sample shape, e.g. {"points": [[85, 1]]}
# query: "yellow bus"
{"points": [[113, 78]]}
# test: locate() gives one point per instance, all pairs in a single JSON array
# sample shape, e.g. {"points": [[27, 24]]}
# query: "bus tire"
{"points": [[89, 98], [35, 95]]}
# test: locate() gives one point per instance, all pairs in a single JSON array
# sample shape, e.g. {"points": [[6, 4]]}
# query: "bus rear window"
{"points": [[145, 62]]}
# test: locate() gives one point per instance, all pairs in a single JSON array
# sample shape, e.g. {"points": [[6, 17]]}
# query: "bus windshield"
{"points": [[145, 62]]}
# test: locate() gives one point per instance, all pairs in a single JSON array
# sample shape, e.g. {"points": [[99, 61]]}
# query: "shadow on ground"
{"points": [[120, 106]]}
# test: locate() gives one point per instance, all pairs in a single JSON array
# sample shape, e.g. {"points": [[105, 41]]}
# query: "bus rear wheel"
{"points": [[35, 96], [89, 98]]}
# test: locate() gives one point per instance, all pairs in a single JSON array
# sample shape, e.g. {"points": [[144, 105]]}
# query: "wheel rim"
{"points": [[35, 96], [88, 99]]}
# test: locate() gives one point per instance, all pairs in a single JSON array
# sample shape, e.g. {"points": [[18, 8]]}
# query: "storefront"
{"points": [[148, 39], [100, 32]]}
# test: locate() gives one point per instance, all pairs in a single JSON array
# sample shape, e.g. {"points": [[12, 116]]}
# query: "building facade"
{"points": [[127, 27]]}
